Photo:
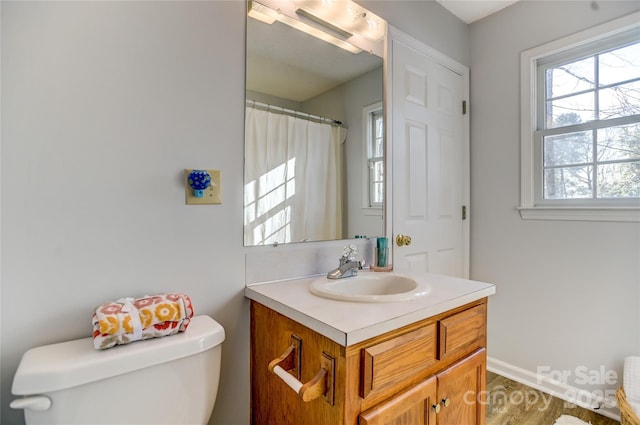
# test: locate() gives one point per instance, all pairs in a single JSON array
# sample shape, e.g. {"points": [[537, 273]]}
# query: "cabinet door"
{"points": [[461, 391], [414, 406]]}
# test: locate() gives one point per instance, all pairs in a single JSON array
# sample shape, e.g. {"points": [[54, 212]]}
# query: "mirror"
{"points": [[313, 139]]}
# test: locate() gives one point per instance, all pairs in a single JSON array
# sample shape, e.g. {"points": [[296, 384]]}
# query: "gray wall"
{"points": [[568, 291], [103, 106], [426, 21]]}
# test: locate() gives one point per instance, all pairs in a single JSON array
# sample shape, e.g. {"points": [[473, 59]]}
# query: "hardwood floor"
{"points": [[511, 403]]}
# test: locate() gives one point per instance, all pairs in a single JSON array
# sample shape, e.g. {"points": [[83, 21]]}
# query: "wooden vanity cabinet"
{"points": [[429, 372]]}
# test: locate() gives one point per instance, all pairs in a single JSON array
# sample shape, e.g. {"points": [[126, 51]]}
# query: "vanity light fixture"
{"points": [[268, 15], [257, 11], [345, 15], [312, 17]]}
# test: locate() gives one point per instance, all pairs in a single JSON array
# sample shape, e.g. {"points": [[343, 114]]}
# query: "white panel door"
{"points": [[428, 163]]}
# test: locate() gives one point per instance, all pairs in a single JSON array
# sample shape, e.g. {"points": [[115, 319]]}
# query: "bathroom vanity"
{"points": [[321, 361]]}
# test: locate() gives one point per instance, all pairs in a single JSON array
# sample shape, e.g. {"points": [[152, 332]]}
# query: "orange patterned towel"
{"points": [[128, 319]]}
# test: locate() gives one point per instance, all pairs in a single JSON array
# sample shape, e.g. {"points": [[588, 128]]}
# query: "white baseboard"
{"points": [[555, 388]]}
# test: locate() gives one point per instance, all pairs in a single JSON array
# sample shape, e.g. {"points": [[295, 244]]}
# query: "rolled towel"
{"points": [[631, 382], [127, 319]]}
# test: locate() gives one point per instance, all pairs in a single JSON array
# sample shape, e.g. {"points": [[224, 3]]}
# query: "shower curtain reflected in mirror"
{"points": [[293, 179]]}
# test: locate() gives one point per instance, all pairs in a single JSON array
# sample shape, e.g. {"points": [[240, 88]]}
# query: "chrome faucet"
{"points": [[349, 266]]}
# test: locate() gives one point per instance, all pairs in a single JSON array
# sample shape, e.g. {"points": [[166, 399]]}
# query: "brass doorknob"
{"points": [[445, 402], [436, 408], [402, 240]]}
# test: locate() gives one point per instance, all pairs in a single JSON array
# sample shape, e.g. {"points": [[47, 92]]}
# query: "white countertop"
{"points": [[348, 323]]}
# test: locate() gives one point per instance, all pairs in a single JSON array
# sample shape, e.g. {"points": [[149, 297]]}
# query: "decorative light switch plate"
{"points": [[212, 194]]}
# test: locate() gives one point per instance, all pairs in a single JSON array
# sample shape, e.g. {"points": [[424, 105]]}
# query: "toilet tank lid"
{"points": [[69, 364]]}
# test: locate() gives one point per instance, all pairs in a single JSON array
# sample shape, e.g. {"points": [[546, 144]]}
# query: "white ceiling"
{"points": [[473, 10]]}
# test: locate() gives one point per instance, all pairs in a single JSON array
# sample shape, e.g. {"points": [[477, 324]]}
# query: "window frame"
{"points": [[532, 205], [368, 113]]}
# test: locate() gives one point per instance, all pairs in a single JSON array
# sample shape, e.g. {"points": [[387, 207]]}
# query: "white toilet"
{"points": [[169, 380]]}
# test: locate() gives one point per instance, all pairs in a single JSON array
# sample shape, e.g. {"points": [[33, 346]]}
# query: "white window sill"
{"points": [[631, 214]]}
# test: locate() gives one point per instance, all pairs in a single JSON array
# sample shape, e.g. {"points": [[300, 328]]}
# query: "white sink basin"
{"points": [[370, 287]]}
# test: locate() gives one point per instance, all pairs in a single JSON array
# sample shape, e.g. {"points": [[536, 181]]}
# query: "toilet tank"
{"points": [[168, 380]]}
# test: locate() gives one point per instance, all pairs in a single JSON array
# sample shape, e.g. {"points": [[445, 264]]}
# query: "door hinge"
{"points": [[464, 107], [464, 212]]}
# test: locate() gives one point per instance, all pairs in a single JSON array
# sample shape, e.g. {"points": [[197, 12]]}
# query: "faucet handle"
{"points": [[350, 252]]}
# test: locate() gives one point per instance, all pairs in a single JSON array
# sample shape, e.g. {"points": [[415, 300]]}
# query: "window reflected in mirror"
{"points": [[375, 155]]}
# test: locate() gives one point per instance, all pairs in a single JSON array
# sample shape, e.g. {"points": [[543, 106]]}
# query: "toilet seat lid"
{"points": [[68, 364]]}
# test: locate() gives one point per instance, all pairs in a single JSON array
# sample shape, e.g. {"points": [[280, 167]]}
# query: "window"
{"points": [[581, 126], [374, 136]]}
